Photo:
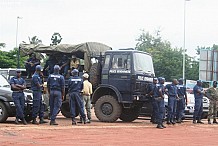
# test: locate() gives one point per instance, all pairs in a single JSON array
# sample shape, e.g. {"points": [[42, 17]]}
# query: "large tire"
{"points": [[3, 113], [107, 109], [95, 74], [65, 109], [130, 114]]}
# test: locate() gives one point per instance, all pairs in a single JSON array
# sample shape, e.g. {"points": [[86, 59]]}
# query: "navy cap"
{"points": [[38, 68], [75, 71], [18, 70], [154, 79], [181, 79], [57, 67]]}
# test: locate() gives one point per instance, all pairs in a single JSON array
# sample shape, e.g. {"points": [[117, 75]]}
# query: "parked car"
{"points": [[189, 109], [7, 106]]}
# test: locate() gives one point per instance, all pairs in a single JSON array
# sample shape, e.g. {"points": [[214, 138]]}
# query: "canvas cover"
{"points": [[83, 51]]}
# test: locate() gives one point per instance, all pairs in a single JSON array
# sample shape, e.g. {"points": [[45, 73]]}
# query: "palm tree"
{"points": [[35, 40]]}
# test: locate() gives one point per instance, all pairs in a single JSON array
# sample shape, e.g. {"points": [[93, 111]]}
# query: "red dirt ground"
{"points": [[139, 132]]}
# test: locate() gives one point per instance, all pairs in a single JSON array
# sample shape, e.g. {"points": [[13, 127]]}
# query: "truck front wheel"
{"points": [[107, 109], [3, 112], [130, 114]]}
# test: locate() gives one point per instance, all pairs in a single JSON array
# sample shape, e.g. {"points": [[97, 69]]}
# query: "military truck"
{"points": [[120, 78]]}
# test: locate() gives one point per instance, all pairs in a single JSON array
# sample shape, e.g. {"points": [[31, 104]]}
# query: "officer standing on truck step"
{"points": [[172, 92], [198, 94], [159, 100], [56, 90], [182, 101], [153, 102], [37, 87], [18, 84], [75, 86]]}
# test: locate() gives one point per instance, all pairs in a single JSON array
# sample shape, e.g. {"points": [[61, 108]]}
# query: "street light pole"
{"points": [[18, 52], [183, 64]]}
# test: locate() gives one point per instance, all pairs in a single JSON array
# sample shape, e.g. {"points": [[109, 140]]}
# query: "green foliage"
{"points": [[2, 45], [167, 60], [214, 47], [9, 59], [35, 40], [56, 39]]}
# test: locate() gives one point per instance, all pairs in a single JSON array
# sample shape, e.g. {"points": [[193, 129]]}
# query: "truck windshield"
{"points": [[143, 63]]}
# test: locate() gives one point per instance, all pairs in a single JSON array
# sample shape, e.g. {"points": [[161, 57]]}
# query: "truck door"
{"points": [[120, 74]]}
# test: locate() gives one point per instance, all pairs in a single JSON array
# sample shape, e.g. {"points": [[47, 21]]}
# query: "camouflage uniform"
{"points": [[212, 94]]}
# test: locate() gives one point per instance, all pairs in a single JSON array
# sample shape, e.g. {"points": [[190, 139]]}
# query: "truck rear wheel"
{"points": [[3, 113], [107, 109], [65, 109], [130, 114]]}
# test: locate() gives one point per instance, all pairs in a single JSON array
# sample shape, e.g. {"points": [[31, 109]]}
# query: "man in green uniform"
{"points": [[212, 94]]}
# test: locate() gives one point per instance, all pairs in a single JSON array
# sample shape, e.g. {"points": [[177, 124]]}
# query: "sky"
{"points": [[116, 23]]}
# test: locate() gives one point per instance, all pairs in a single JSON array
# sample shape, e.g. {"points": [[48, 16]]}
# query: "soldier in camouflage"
{"points": [[212, 94]]}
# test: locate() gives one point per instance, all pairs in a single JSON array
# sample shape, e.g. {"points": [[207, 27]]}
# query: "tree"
{"points": [[9, 59], [35, 40], [56, 39], [2, 45], [167, 60]]}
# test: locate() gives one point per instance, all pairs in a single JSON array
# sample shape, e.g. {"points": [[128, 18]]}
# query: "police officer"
{"points": [[172, 101], [75, 86], [18, 84], [37, 86], [154, 108], [198, 94], [159, 100], [181, 101], [56, 90]]}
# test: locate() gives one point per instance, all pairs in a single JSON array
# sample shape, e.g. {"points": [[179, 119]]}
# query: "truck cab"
{"points": [[125, 77]]}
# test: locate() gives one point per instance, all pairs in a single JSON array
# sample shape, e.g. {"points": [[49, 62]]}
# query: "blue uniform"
{"points": [[153, 102], [181, 101], [18, 97], [198, 102], [75, 86], [56, 85], [172, 101], [63, 61], [38, 107], [159, 102]]}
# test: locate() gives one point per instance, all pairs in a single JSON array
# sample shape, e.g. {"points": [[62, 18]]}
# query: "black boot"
{"points": [[80, 120], [84, 120], [168, 122], [200, 122], [24, 121], [53, 123], [42, 121], [209, 122], [159, 126], [178, 121], [163, 125], [173, 122], [74, 121], [214, 121], [16, 121], [34, 121], [88, 121]]}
